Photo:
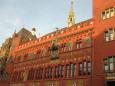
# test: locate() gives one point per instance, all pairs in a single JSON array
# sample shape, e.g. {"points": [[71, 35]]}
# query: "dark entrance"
{"points": [[111, 83]]}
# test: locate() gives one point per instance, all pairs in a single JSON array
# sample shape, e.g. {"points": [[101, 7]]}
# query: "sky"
{"points": [[44, 15]]}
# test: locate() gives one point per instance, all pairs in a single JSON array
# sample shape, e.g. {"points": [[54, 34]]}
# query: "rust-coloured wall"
{"points": [[65, 57], [4, 83], [102, 49]]}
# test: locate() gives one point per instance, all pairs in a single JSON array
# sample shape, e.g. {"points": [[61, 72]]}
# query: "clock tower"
{"points": [[71, 15]]}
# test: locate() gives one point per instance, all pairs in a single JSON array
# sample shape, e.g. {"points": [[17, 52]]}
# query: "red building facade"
{"points": [[103, 59], [80, 55], [48, 65]]}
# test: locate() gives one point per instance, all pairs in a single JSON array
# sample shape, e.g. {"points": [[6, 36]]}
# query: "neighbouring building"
{"points": [[17, 39]]}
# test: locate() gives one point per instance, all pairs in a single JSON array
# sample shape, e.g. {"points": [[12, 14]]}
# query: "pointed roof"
{"points": [[71, 15], [25, 35], [23, 31]]}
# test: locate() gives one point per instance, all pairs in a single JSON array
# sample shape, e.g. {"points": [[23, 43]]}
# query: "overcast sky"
{"points": [[44, 15]]}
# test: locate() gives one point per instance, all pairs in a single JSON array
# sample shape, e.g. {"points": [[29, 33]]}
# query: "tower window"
{"points": [[71, 19], [103, 15]]}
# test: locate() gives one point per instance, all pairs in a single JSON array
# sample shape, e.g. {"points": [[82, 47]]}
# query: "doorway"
{"points": [[111, 83]]}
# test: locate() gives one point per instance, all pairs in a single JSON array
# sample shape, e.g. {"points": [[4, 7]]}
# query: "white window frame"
{"points": [[112, 12], [109, 35], [103, 15], [107, 13]]}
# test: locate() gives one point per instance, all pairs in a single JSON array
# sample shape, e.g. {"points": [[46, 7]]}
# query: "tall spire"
{"points": [[71, 16], [72, 3]]}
